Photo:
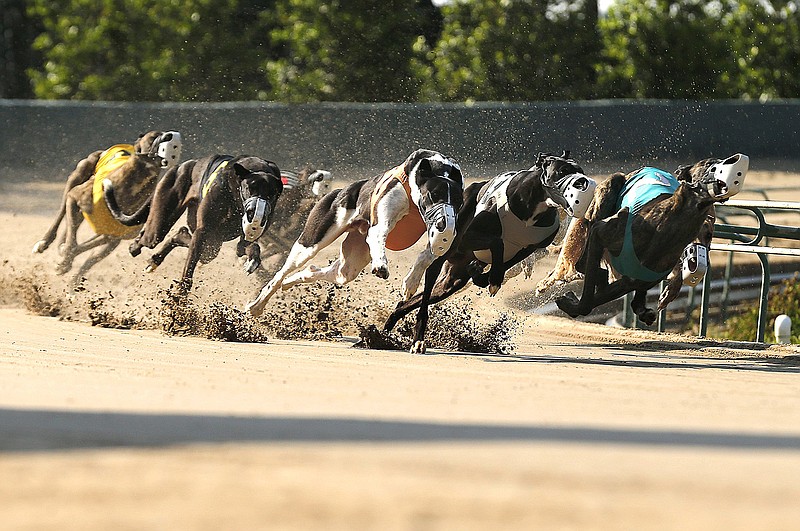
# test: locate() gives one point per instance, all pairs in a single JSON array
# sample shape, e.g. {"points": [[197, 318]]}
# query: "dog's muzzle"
{"points": [[169, 149], [255, 218], [694, 264], [726, 178], [576, 192], [441, 221]]}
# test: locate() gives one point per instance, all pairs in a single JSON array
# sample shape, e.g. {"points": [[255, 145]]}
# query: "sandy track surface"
{"points": [[580, 427]]}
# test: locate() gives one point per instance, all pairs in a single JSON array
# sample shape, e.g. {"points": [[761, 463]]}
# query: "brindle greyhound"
{"points": [[640, 225], [503, 221], [225, 197], [134, 169], [392, 210]]}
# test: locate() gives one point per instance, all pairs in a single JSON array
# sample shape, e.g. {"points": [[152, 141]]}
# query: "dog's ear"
{"points": [[425, 168], [684, 173], [241, 171], [565, 154]]}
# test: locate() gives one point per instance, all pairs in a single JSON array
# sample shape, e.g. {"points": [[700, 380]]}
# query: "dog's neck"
{"points": [[527, 198]]}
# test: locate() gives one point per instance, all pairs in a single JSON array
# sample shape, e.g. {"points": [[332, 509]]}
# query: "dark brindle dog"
{"points": [[392, 210], [134, 170], [225, 197], [503, 221], [640, 225]]}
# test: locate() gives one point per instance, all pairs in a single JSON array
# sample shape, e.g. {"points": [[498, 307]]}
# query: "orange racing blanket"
{"points": [[100, 219], [410, 228]]}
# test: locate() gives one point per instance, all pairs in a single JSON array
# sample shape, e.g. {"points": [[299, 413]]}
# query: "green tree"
{"points": [[666, 49], [349, 50], [516, 50], [17, 31], [766, 43], [151, 50]]}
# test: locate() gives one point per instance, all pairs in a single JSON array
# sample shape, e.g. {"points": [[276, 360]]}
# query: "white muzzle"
{"points": [[254, 228], [695, 263], [441, 222], [728, 176], [169, 148]]}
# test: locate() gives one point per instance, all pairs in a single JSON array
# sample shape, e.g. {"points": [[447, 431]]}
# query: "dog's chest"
{"points": [[516, 233]]}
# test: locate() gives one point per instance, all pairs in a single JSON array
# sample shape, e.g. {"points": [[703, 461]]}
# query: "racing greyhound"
{"points": [[134, 170], [226, 197], [503, 221], [645, 226], [388, 211]]}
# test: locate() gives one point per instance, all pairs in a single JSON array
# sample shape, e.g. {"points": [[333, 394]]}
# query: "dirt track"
{"points": [[581, 427]]}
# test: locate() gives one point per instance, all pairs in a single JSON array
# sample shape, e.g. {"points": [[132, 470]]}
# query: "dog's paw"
{"points": [[251, 265], [254, 308], [150, 267], [648, 316], [418, 347], [40, 246], [568, 303], [63, 266], [135, 249], [493, 289], [381, 271]]}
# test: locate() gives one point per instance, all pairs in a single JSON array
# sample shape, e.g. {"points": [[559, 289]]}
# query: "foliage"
{"points": [[665, 49], [149, 50], [783, 299], [354, 50], [400, 50], [518, 50]]}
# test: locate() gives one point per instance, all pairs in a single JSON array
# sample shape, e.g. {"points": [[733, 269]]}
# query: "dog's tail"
{"points": [[137, 218]]}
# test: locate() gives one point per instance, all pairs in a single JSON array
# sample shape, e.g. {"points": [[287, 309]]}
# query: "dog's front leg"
{"points": [[431, 274], [388, 211], [639, 306], [497, 271], [414, 277]]}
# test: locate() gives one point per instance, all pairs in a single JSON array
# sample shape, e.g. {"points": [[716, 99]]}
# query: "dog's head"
{"points": [[259, 188], [318, 181], [719, 179], [165, 148], [564, 183], [437, 187]]}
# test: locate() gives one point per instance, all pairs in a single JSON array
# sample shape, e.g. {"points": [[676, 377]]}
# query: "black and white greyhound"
{"points": [[503, 221], [391, 210]]}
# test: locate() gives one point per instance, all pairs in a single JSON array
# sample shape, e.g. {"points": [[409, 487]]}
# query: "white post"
{"points": [[783, 329]]}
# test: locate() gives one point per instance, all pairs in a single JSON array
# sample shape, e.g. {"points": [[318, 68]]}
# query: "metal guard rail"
{"points": [[750, 241]]}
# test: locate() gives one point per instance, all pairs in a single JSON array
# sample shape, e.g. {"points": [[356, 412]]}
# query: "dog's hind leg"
{"points": [[70, 245], [82, 173], [182, 238], [571, 250], [111, 243], [353, 258], [298, 257]]}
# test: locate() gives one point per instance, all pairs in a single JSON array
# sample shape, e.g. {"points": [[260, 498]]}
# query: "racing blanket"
{"points": [[647, 184], [100, 219]]}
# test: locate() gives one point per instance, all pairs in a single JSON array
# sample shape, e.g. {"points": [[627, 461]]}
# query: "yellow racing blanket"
{"points": [[100, 219]]}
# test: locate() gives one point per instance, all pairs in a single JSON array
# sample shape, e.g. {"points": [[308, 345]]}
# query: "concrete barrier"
{"points": [[46, 138]]}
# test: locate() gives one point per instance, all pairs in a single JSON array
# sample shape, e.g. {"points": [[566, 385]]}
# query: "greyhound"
{"points": [[503, 221], [134, 169], [226, 197], [391, 210], [645, 226]]}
